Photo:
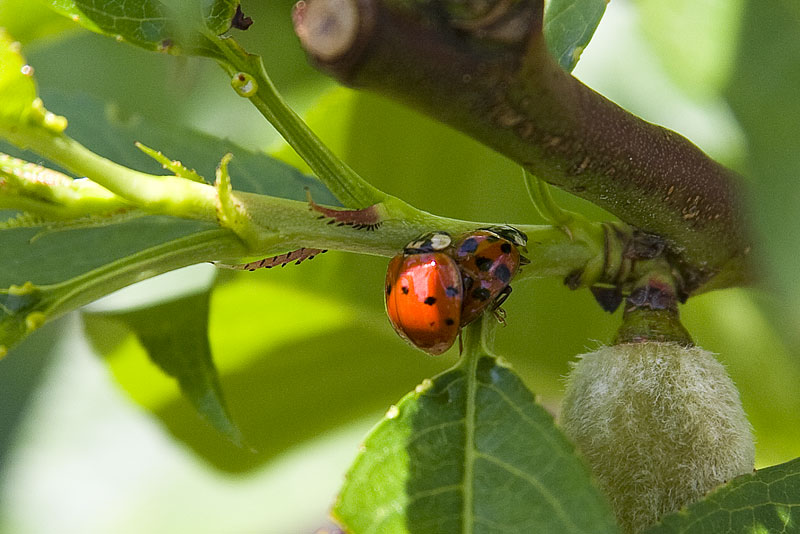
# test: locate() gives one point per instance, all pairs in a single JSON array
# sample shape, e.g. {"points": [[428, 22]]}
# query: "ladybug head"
{"points": [[429, 242], [510, 233]]}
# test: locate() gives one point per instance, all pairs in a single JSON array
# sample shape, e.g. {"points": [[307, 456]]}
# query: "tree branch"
{"points": [[486, 71]]}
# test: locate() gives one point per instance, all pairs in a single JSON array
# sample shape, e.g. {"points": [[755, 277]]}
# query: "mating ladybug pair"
{"points": [[437, 284]]}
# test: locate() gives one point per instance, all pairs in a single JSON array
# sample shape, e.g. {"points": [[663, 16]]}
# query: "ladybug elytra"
{"points": [[437, 285], [489, 259], [424, 294]]}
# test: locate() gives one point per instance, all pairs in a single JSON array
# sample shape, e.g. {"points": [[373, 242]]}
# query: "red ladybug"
{"points": [[489, 259], [424, 294]]}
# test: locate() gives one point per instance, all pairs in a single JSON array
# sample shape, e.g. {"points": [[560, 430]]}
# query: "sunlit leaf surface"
{"points": [[17, 88], [470, 453]]}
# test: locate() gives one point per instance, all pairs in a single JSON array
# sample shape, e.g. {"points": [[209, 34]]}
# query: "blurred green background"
{"points": [[308, 361]]}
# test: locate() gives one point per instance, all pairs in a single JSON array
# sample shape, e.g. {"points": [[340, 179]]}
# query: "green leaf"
{"points": [[765, 502], [17, 89], [19, 106], [165, 26], [763, 95], [569, 26], [283, 343], [174, 334], [470, 451], [218, 14]]}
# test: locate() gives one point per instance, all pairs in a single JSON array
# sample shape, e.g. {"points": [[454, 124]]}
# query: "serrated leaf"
{"points": [[470, 452], [569, 26], [765, 502], [174, 334], [165, 26]]}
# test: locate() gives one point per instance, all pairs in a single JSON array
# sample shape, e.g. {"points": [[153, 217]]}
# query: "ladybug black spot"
{"points": [[404, 289], [469, 246], [451, 291], [506, 248], [502, 273], [449, 322], [481, 293], [430, 301], [432, 323], [483, 263]]}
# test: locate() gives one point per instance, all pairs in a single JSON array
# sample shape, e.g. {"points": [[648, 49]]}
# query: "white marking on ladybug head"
{"points": [[440, 241]]}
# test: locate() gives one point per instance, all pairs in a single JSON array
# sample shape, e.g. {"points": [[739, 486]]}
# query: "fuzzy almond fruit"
{"points": [[660, 424]]}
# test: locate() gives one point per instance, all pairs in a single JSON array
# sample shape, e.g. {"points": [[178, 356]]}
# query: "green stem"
{"points": [[478, 340], [478, 344], [550, 250], [544, 203], [651, 311], [35, 305], [53, 195], [168, 195], [97, 283], [346, 185], [273, 225]]}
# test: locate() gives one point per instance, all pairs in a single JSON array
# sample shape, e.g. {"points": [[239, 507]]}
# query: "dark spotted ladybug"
{"points": [[424, 293], [488, 259]]}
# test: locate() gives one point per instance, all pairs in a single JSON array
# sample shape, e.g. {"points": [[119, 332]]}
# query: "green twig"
{"points": [[169, 195], [544, 203], [250, 80]]}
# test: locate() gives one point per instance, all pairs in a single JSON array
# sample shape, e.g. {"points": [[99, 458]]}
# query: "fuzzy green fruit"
{"points": [[660, 425]]}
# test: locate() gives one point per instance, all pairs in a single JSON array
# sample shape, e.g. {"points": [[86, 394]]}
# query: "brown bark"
{"points": [[487, 72]]}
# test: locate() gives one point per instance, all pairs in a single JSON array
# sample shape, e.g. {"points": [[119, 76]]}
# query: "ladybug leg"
{"points": [[364, 219], [500, 315], [460, 344], [501, 297], [498, 312]]}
